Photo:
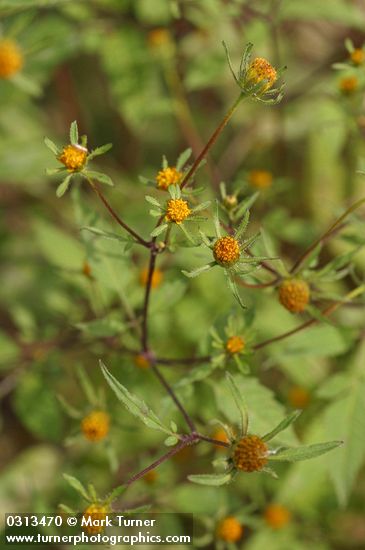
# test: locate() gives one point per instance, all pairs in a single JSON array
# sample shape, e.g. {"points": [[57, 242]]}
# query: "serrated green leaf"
{"points": [[306, 452], [240, 403], [100, 151], [282, 426], [78, 486], [158, 230], [133, 404]]}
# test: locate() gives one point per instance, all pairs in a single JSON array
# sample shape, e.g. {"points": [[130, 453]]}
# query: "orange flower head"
{"points": [[348, 85], [357, 56], [95, 426], [159, 37], [235, 344], [177, 210], [11, 58], [96, 512], [73, 157], [294, 295], [261, 179], [168, 176], [229, 529], [277, 516], [86, 269], [226, 251], [141, 361], [298, 397], [260, 69], [157, 277], [250, 454], [150, 477]]}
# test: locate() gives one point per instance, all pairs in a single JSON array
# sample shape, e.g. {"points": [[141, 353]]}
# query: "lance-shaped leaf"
{"points": [[116, 492], [306, 452], [240, 403], [103, 178], [74, 133], [211, 479], [199, 270], [107, 234], [78, 486], [183, 158], [99, 151], [134, 405], [62, 188], [51, 146], [283, 425], [234, 290]]}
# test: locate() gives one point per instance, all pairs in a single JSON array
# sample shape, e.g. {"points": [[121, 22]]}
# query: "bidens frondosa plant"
{"points": [[241, 256]]}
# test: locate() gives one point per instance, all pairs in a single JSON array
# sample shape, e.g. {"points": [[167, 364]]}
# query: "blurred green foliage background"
{"points": [[151, 77]]}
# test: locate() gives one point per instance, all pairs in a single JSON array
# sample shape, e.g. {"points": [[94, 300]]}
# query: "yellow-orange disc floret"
{"points": [[95, 426], [261, 179], [168, 176], [229, 529], [86, 269], [177, 210], [294, 295], [11, 58], [357, 56], [277, 516], [226, 251], [260, 69], [158, 37], [156, 280], [250, 454], [220, 435], [73, 157], [150, 477], [348, 85], [95, 512], [141, 361], [235, 344], [298, 397]]}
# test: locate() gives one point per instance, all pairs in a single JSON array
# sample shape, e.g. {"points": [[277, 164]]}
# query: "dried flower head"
{"points": [[348, 85], [261, 179], [95, 512], [250, 454], [277, 516], [177, 210], [73, 157], [298, 397], [226, 251], [235, 344], [11, 58], [357, 56], [294, 295], [95, 426], [156, 280], [229, 529], [168, 176], [260, 70]]}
